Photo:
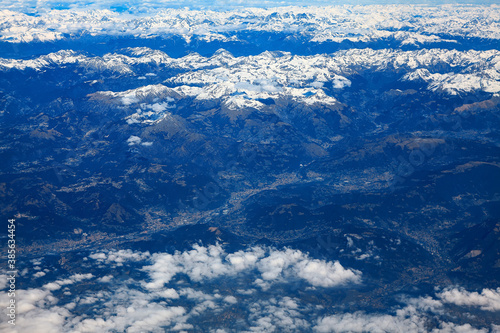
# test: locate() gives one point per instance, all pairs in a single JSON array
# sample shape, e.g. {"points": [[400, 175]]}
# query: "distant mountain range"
{"points": [[314, 169], [406, 24]]}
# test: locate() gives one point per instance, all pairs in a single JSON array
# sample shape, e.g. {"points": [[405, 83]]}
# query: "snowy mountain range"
{"points": [[408, 24], [312, 169], [247, 80]]}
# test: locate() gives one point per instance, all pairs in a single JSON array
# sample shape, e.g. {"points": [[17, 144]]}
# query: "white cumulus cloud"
{"points": [[487, 299]]}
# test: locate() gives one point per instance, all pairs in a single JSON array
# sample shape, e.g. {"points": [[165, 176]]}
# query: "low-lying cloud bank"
{"points": [[271, 266], [259, 289]]}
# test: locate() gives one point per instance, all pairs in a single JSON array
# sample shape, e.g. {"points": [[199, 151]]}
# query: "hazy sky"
{"points": [[31, 6]]}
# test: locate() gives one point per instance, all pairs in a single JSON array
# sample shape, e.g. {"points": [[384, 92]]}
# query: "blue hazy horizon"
{"points": [[31, 6]]}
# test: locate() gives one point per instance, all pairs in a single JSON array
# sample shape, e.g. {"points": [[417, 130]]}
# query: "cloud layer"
{"points": [[258, 289], [268, 265]]}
